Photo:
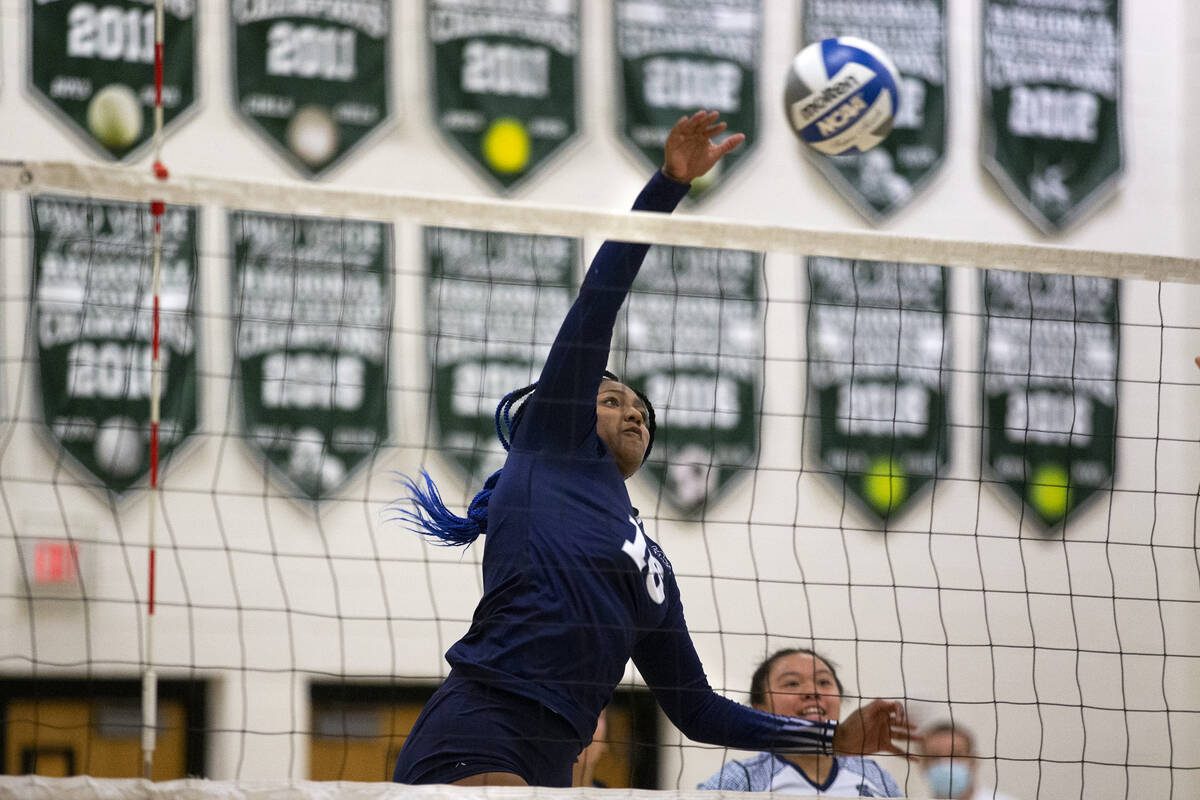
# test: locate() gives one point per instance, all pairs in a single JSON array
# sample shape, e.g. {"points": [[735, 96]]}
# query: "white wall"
{"points": [[1020, 632]]}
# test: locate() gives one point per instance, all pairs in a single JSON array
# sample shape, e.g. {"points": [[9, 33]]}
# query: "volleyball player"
{"points": [[573, 587]]}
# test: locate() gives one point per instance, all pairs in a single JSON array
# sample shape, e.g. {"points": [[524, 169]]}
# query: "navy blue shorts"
{"points": [[470, 727]]}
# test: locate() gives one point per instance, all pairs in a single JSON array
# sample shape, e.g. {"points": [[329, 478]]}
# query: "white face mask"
{"points": [[948, 779]]}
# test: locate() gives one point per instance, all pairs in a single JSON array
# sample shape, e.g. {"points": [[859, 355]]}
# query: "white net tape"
{"points": [[122, 183], [32, 787]]}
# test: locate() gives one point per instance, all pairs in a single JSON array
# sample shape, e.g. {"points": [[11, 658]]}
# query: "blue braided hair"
{"points": [[431, 518]]}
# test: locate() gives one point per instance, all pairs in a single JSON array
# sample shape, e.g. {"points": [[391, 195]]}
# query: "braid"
{"points": [[432, 519], [429, 515], [507, 422]]}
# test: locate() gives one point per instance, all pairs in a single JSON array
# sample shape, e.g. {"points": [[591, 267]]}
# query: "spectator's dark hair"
{"points": [[432, 519], [758, 682], [946, 726]]}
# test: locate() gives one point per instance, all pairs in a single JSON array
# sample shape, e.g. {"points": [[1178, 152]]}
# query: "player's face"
{"points": [[801, 685], [621, 424]]}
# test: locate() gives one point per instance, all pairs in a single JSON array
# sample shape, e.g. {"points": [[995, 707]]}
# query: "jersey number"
{"points": [[646, 562]]}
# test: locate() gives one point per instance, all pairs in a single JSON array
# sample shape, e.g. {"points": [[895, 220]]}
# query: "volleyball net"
{"points": [[966, 473]]}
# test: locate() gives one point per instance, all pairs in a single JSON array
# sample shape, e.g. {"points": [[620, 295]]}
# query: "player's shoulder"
{"points": [[654, 547], [859, 764], [872, 771], [751, 774]]}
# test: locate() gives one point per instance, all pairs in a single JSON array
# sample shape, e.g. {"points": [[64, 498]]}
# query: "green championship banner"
{"points": [[312, 77], [693, 343], [93, 63], [505, 81], [913, 32], [879, 372], [1050, 387], [93, 329], [1052, 104], [675, 58], [312, 304], [495, 303]]}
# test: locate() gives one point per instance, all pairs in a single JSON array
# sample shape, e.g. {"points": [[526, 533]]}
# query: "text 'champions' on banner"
{"points": [[1052, 104], [1050, 387], [879, 372], [312, 304], [313, 78], [677, 57], [93, 64], [693, 343], [93, 327], [505, 81], [495, 303], [913, 33]]}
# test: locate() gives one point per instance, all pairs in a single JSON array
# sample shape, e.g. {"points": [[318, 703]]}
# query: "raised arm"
{"points": [[565, 402]]}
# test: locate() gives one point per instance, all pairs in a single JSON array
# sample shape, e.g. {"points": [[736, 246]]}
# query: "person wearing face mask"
{"points": [[798, 682], [949, 762]]}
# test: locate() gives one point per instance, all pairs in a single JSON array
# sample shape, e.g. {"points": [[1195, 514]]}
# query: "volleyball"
{"points": [[313, 135], [841, 95], [114, 116]]}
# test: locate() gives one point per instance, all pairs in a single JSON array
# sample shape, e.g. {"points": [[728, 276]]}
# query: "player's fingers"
{"points": [[891, 708], [732, 142]]}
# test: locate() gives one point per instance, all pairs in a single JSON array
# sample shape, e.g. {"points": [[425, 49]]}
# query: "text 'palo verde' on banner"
{"points": [[693, 343], [879, 373], [1050, 387], [494, 304], [93, 327], [312, 300]]}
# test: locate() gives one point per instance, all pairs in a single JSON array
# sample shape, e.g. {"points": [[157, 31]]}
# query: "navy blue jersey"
{"points": [[573, 586]]}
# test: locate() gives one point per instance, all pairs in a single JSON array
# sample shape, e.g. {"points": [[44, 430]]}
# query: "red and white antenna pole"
{"points": [[157, 208]]}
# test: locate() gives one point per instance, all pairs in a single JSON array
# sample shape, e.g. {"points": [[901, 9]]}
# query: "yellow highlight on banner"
{"points": [[885, 485], [1050, 492], [506, 146]]}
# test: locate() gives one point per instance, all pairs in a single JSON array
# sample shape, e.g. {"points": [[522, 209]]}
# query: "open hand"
{"points": [[876, 728], [690, 153]]}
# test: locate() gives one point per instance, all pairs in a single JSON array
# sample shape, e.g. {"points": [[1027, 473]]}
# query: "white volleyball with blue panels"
{"points": [[841, 95]]}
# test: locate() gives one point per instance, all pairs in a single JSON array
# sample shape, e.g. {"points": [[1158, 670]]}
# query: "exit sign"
{"points": [[55, 562]]}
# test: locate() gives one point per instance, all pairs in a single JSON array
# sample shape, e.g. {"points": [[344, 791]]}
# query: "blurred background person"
{"points": [[949, 762], [798, 682]]}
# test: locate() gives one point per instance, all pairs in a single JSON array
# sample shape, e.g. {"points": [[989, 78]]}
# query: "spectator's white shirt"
{"points": [[765, 772], [988, 793]]}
